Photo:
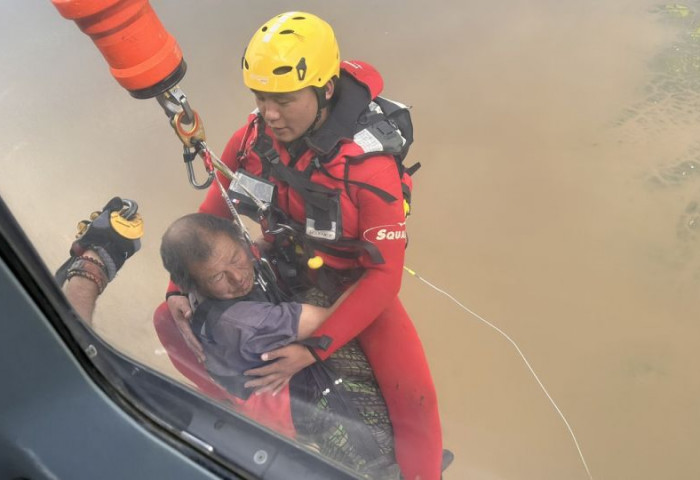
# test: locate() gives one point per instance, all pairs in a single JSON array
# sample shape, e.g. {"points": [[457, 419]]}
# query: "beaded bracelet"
{"points": [[93, 260], [85, 274], [90, 268]]}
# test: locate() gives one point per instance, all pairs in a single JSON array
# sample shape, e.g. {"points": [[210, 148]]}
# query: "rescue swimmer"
{"points": [[325, 152]]}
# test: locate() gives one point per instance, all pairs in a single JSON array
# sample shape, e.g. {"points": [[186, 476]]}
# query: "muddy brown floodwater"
{"points": [[558, 199]]}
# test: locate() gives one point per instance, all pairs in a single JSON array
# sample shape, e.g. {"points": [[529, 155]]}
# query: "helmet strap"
{"points": [[322, 103], [321, 97]]}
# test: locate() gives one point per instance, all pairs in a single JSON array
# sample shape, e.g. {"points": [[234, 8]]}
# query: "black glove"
{"points": [[113, 233]]}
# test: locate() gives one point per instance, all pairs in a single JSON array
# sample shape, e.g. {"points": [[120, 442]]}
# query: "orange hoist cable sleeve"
{"points": [[141, 54]]}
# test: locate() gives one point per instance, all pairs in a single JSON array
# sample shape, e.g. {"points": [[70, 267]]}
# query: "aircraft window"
{"points": [[557, 198]]}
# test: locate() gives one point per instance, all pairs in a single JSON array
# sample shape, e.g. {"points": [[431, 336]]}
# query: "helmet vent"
{"points": [[286, 32], [299, 18], [245, 64], [282, 70], [264, 29], [301, 69]]}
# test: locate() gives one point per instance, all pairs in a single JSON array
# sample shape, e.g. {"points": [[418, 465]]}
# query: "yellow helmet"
{"points": [[289, 52]]}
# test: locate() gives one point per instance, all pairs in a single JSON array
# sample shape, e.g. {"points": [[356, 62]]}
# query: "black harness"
{"points": [[379, 127]]}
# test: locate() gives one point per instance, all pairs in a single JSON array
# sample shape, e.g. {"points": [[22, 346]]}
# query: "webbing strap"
{"points": [[383, 194], [316, 195], [322, 343], [413, 168], [311, 192], [374, 254]]}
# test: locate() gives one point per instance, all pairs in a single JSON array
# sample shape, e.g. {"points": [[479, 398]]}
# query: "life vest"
{"points": [[362, 125]]}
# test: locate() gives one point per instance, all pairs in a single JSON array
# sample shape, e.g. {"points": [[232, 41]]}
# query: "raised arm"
{"points": [[103, 244], [82, 292]]}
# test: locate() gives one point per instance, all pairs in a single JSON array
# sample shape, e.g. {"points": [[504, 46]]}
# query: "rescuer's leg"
{"points": [[396, 354]]}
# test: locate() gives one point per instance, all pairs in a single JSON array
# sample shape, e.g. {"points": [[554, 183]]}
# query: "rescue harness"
{"points": [[382, 127]]}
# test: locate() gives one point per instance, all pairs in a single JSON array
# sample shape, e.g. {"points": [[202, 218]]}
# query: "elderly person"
{"points": [[234, 321]]}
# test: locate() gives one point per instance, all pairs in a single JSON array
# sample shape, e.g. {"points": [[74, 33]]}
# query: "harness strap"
{"points": [[311, 192], [316, 195], [412, 169], [383, 194], [358, 245], [322, 342], [406, 192]]}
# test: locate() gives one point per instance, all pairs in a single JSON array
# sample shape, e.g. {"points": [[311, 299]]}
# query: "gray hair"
{"points": [[188, 240]]}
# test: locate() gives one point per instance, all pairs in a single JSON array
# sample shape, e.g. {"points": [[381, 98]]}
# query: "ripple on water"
{"points": [[668, 112]]}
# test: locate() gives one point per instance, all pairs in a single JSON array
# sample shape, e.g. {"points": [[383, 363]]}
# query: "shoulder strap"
{"points": [[312, 193], [316, 195], [383, 194], [400, 116]]}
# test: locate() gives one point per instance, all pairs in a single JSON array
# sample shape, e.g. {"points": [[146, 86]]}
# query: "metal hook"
{"points": [[193, 180], [129, 208], [281, 227], [174, 101]]}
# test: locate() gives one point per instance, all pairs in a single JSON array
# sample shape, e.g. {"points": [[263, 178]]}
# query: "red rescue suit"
{"points": [[347, 163]]}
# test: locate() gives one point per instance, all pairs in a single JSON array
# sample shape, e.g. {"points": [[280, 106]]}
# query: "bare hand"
{"points": [[274, 376], [181, 310]]}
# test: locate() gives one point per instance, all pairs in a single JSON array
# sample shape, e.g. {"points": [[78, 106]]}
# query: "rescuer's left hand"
{"points": [[291, 359]]}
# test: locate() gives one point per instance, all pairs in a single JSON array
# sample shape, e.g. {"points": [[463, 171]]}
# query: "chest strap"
{"points": [[311, 192], [317, 195]]}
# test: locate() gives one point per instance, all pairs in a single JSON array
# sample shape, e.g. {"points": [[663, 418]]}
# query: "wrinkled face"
{"points": [[227, 273], [289, 115]]}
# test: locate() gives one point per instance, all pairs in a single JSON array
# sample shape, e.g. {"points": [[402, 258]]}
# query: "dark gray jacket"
{"points": [[234, 333]]}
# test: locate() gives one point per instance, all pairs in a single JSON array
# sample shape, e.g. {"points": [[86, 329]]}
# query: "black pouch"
{"points": [[323, 216]]}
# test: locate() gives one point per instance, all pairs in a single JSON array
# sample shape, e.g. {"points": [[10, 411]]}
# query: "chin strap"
{"points": [[321, 102]]}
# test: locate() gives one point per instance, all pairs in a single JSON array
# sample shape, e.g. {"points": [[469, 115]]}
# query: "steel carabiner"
{"points": [[189, 155], [129, 209]]}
